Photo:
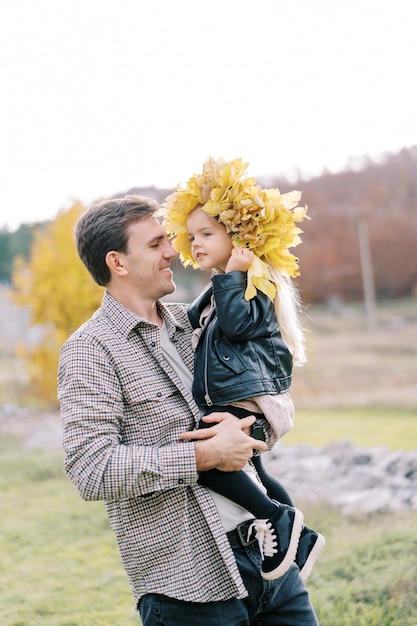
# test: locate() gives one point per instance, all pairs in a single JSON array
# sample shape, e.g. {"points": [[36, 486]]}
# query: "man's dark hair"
{"points": [[103, 227]]}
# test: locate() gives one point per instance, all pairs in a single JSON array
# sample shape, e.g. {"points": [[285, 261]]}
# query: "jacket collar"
{"points": [[199, 304]]}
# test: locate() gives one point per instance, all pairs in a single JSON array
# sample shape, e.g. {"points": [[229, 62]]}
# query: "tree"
{"points": [[59, 293], [4, 255], [13, 244]]}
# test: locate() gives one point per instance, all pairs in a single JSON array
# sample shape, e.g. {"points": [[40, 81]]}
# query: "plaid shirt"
{"points": [[123, 409]]}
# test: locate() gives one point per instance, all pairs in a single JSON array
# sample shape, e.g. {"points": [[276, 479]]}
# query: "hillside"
{"points": [[362, 220], [363, 224]]}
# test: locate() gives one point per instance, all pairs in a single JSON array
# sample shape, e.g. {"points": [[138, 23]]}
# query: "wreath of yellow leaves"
{"points": [[263, 220]]}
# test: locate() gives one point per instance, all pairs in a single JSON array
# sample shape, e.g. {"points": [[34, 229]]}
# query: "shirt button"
{"points": [[180, 481], [153, 344], [159, 394]]}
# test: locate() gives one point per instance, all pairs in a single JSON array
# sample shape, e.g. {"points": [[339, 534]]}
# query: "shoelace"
{"points": [[265, 535]]}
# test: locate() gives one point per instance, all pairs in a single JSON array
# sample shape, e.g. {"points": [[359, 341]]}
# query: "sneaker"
{"points": [[309, 548], [278, 539]]}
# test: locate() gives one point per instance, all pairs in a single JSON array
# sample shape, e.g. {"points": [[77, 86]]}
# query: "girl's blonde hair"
{"points": [[288, 309]]}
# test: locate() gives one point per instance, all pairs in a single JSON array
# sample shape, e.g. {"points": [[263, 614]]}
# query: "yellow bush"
{"points": [[59, 293]]}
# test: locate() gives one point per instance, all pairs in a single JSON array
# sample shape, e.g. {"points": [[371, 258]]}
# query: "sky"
{"points": [[100, 96]]}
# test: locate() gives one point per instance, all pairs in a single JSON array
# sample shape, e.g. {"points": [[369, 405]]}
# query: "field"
{"points": [[60, 565], [352, 366]]}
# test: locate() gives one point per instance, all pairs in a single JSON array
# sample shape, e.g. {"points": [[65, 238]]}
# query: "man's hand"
{"points": [[225, 445], [240, 259]]}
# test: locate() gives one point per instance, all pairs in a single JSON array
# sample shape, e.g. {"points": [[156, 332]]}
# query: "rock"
{"points": [[365, 501], [357, 480]]}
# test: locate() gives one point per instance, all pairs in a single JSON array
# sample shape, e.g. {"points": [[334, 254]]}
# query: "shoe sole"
{"points": [[312, 557], [289, 558]]}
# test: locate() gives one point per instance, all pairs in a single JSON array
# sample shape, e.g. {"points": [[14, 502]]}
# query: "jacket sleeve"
{"points": [[240, 319], [97, 461]]}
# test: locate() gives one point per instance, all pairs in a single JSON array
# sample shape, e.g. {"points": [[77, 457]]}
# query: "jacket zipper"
{"points": [[206, 395]]}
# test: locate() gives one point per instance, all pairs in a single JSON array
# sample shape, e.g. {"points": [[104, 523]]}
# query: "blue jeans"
{"points": [[281, 602]]}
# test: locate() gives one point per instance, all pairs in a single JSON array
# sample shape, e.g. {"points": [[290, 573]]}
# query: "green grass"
{"points": [[60, 566], [59, 562], [367, 572], [366, 426]]}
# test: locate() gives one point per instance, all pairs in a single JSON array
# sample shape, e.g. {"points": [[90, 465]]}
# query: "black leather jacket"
{"points": [[241, 352]]}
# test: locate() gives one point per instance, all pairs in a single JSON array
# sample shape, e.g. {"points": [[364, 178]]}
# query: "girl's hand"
{"points": [[240, 259]]}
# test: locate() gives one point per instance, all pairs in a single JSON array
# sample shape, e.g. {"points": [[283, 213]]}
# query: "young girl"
{"points": [[242, 364]]}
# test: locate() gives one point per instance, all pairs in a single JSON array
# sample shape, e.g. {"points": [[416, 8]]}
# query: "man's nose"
{"points": [[170, 252]]}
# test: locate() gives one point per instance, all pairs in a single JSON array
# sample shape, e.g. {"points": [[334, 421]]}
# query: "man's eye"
{"points": [[207, 234]]}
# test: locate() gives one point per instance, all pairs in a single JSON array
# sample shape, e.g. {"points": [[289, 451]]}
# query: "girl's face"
{"points": [[210, 244]]}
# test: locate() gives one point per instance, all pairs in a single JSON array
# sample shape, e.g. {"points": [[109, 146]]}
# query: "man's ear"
{"points": [[115, 261]]}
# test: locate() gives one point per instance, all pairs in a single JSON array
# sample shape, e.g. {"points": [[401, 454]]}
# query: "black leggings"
{"points": [[238, 486]]}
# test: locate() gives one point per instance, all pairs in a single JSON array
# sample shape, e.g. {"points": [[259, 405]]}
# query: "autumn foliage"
{"points": [[384, 197], [60, 295]]}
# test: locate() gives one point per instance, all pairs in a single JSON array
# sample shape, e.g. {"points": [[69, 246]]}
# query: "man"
{"points": [[124, 386]]}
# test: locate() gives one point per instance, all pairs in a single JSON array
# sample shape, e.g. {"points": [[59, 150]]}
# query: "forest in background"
{"points": [[377, 200], [381, 199]]}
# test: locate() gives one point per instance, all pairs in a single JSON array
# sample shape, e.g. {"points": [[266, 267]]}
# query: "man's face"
{"points": [[148, 259]]}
